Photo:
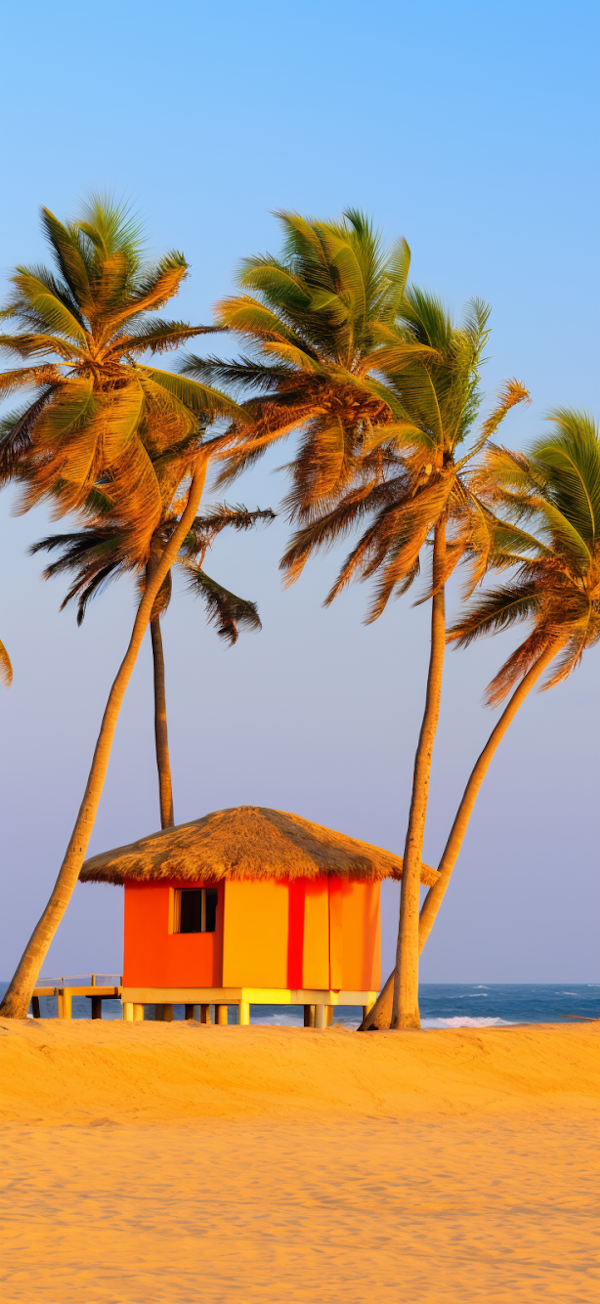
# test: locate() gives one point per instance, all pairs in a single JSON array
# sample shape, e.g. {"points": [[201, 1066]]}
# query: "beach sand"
{"points": [[171, 1162]]}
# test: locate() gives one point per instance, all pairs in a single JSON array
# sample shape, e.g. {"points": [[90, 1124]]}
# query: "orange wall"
{"points": [[361, 937], [156, 957], [322, 933]]}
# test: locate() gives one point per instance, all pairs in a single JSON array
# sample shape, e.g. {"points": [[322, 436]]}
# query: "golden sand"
{"points": [[171, 1162]]}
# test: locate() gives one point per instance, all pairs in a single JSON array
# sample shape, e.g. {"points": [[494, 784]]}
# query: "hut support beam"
{"points": [[244, 1013], [309, 1016], [97, 1008], [64, 1003], [221, 1015]]}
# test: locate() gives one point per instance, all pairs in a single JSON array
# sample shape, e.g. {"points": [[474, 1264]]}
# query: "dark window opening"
{"points": [[197, 911]]}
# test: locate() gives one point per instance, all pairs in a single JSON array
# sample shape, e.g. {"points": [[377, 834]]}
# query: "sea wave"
{"points": [[462, 1021]]}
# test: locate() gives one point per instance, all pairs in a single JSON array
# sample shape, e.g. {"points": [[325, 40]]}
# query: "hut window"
{"points": [[195, 910]]}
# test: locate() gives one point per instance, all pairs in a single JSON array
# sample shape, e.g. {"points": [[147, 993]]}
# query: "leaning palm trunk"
{"points": [[381, 1014], [161, 735], [406, 980], [16, 1001], [436, 894]]}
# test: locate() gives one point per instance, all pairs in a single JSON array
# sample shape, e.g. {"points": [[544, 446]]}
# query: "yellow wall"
{"points": [[255, 942]]}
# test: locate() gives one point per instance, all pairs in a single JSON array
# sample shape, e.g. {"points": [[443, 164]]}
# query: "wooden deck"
{"points": [[66, 988], [318, 1004]]}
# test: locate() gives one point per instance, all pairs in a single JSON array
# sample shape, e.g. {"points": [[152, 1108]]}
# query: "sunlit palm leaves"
{"points": [[409, 477], [95, 416], [555, 580], [6, 670], [317, 323]]}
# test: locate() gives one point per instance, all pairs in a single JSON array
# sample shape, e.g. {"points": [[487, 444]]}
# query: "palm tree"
{"points": [[99, 554], [96, 415], [317, 327], [103, 430], [414, 486], [556, 587]]}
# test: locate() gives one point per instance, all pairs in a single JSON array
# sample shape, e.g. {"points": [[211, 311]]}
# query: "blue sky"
{"points": [[472, 130]]}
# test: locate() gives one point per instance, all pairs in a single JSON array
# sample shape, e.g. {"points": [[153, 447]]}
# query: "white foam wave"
{"points": [[462, 1021]]}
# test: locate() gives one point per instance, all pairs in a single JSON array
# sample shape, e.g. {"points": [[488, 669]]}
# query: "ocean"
{"points": [[443, 1005]]}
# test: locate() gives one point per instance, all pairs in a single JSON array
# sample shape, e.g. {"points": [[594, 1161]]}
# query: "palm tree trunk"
{"points": [[161, 735], [405, 1012], [436, 894], [16, 1001], [381, 1013]]}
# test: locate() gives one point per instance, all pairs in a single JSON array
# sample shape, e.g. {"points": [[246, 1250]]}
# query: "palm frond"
{"points": [[224, 609], [6, 670], [495, 610]]}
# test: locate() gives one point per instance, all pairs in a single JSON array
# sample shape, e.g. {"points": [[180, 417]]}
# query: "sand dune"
{"points": [[165, 1162]]}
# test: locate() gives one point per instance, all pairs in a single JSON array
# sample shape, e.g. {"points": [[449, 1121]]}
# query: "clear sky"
{"points": [[470, 128]]}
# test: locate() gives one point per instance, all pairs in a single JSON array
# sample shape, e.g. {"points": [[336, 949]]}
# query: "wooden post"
{"points": [[168, 1013], [221, 1012], [138, 1013], [189, 1013], [244, 1013], [35, 1004], [320, 1016], [127, 1010], [309, 1016], [328, 1016], [97, 1007], [64, 1003], [204, 1013]]}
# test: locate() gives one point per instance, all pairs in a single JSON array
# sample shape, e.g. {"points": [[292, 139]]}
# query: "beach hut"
{"points": [[249, 906]]}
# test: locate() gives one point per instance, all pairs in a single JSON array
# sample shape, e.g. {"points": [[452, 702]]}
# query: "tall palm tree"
{"points": [[105, 429], [99, 554], [412, 486], [555, 587], [316, 323], [96, 415]]}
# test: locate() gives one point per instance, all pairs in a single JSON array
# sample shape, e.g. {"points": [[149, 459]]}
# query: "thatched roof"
{"points": [[245, 842]]}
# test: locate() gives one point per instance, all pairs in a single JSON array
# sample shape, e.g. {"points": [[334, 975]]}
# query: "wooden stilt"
{"points": [[244, 1013], [138, 1013], [328, 1015], [221, 1013], [64, 1003], [320, 1016], [35, 1007], [204, 1013], [189, 1013], [168, 1013], [97, 1007], [309, 1016], [127, 1010]]}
